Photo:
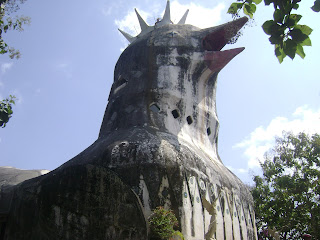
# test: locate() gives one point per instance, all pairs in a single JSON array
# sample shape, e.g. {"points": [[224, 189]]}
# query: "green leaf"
{"points": [[290, 48], [267, 2], [249, 9], [279, 53], [253, 7], [234, 7], [316, 6], [278, 16], [293, 19], [267, 26], [297, 35], [300, 51], [304, 29], [257, 1], [275, 39], [295, 6], [306, 42]]}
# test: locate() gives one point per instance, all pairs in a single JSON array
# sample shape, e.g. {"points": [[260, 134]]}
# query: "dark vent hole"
{"points": [[189, 120], [175, 113], [208, 131]]}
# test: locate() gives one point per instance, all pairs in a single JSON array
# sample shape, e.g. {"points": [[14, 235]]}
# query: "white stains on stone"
{"points": [[120, 87], [164, 194], [115, 151], [145, 197], [119, 152], [69, 217], [84, 221], [243, 224], [253, 221], [194, 42], [179, 92], [192, 186], [38, 189], [227, 215], [137, 74], [168, 79], [58, 217], [166, 148], [145, 149], [198, 214], [129, 109], [209, 220], [235, 221], [248, 222], [192, 218], [219, 217], [240, 217], [186, 212], [172, 58]]}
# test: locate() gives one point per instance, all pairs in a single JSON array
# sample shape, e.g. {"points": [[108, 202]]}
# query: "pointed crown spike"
{"points": [[145, 28], [127, 36], [166, 17], [143, 25], [184, 18]]}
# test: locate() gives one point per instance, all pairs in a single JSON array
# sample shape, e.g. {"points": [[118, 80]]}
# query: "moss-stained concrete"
{"points": [[157, 147], [77, 202]]}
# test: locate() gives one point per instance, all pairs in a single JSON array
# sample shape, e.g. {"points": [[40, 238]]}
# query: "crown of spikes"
{"points": [[145, 28]]}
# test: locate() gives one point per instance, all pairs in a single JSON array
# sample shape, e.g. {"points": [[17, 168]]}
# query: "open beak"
{"points": [[215, 38]]}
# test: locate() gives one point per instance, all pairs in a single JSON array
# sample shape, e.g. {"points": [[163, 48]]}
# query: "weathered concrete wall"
{"points": [[157, 147], [77, 202]]}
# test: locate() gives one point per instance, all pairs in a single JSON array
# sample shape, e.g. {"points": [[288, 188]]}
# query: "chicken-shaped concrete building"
{"points": [[157, 147]]}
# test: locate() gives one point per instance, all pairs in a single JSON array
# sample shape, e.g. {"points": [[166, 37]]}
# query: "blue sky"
{"points": [[63, 79]]}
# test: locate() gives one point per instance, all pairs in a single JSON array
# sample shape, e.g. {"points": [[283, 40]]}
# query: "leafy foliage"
{"points": [[7, 7], [8, 23], [162, 223], [287, 196], [287, 36], [6, 110]]}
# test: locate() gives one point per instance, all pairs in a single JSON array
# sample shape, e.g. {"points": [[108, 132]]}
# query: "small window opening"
{"points": [[154, 108], [175, 113], [189, 120], [119, 84], [121, 81], [208, 131]]}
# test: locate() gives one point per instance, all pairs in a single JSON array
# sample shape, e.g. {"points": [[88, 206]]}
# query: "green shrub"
{"points": [[162, 223]]}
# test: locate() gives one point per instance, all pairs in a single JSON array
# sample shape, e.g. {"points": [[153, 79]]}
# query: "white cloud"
{"points": [[262, 138], [62, 65], [198, 16], [106, 11], [130, 23], [66, 69], [5, 67], [18, 95], [237, 170], [37, 91]]}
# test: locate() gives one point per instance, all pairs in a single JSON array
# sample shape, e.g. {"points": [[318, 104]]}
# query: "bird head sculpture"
{"points": [[166, 79]]}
